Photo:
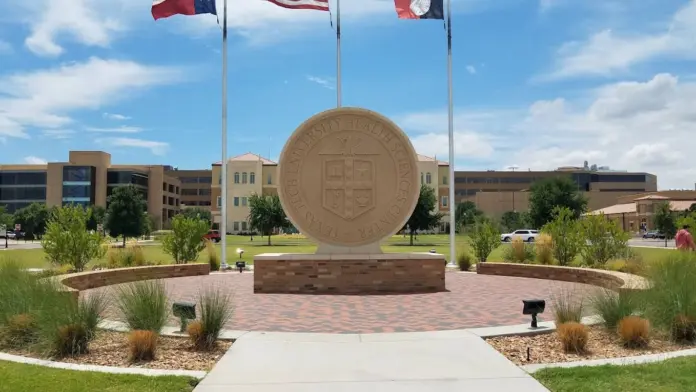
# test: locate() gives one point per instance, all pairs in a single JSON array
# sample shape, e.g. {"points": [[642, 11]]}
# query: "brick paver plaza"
{"points": [[471, 301]]}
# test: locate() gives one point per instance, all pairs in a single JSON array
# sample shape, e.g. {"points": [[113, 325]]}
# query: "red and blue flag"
{"points": [[166, 8]]}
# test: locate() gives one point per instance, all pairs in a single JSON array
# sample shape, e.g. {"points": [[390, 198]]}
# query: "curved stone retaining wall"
{"points": [[616, 281], [89, 280]]}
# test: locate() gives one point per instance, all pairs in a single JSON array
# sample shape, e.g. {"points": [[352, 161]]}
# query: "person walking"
{"points": [[684, 240]]}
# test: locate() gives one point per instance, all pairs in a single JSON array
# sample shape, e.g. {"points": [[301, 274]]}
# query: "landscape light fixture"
{"points": [[432, 251], [241, 265], [240, 252], [533, 307], [184, 311]]}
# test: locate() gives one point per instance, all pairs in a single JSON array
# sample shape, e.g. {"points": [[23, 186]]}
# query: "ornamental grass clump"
{"points": [[213, 256], [142, 345], [143, 305], [573, 337], [543, 248], [634, 332], [216, 309], [670, 302], [567, 307], [613, 307]]}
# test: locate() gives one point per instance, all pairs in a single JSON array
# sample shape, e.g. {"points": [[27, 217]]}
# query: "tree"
{"points": [[96, 218], [5, 218], [485, 237], [513, 220], [665, 221], [185, 242], [33, 219], [67, 240], [198, 213], [566, 235], [126, 213], [266, 214], [466, 213], [547, 194], [424, 216], [604, 239]]}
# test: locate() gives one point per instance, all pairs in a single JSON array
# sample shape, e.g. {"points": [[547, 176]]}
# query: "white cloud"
{"points": [[32, 160], [59, 134], [45, 98], [115, 116], [329, 83], [607, 52], [545, 5], [157, 148], [644, 126], [123, 129], [471, 69]]}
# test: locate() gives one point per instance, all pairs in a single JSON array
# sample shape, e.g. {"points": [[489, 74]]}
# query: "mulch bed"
{"points": [[111, 349], [601, 344]]}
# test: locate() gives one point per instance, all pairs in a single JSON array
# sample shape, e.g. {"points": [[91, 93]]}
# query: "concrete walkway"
{"points": [[440, 361]]}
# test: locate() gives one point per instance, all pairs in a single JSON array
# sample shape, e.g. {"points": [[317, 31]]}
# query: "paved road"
{"points": [[651, 243]]}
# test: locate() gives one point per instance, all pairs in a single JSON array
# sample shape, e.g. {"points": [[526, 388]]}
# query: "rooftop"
{"points": [[249, 156]]}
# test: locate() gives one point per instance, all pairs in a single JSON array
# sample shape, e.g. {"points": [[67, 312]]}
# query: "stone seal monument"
{"points": [[348, 179]]}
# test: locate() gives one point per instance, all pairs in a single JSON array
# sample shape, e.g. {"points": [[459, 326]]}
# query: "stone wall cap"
{"points": [[350, 256]]}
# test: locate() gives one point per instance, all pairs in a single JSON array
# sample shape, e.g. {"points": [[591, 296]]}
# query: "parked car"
{"points": [[213, 235], [654, 234], [526, 235]]}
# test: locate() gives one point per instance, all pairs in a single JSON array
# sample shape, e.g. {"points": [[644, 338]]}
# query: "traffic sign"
{"points": [[18, 227]]}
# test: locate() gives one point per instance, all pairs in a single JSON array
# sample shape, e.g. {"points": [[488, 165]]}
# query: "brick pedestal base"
{"points": [[349, 274]]}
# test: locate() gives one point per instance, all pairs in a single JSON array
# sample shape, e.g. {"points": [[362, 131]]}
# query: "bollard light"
{"points": [[184, 311], [533, 307]]}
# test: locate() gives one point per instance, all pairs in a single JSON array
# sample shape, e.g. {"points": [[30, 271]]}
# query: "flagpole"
{"points": [[223, 222], [338, 53], [450, 118]]}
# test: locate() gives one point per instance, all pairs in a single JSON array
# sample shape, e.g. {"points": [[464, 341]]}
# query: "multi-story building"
{"points": [[88, 178], [195, 187], [495, 192]]}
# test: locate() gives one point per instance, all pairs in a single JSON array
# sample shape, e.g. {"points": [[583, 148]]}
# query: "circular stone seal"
{"points": [[348, 177]]}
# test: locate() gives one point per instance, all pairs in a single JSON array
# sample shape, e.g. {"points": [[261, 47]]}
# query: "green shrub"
{"points": [[605, 240], [216, 309], [213, 257], [185, 242], [484, 239], [566, 235], [672, 297], [613, 307], [464, 259], [567, 307], [130, 256], [67, 240], [143, 305]]}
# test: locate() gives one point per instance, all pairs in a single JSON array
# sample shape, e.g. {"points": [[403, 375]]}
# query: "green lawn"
{"points": [[674, 375], [19, 377], [35, 258]]}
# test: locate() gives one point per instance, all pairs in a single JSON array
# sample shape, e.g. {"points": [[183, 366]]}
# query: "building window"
{"points": [[236, 177], [268, 179], [77, 173], [219, 201], [244, 201], [236, 226], [252, 178], [428, 179], [421, 178], [444, 180], [244, 178], [444, 201], [236, 202], [244, 226]]}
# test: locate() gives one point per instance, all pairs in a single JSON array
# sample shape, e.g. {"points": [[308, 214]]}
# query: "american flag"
{"points": [[320, 5]]}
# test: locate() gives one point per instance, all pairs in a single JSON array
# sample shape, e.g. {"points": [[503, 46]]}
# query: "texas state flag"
{"points": [[419, 9], [166, 8]]}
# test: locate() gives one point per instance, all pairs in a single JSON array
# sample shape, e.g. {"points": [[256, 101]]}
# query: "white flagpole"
{"points": [[223, 221], [453, 249], [338, 53]]}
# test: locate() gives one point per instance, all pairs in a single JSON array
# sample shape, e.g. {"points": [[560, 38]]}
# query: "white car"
{"points": [[525, 234]]}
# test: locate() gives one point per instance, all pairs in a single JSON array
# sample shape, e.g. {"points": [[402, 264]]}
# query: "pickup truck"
{"points": [[213, 235]]}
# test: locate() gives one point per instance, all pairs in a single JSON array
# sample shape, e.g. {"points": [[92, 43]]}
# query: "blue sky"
{"points": [[537, 83]]}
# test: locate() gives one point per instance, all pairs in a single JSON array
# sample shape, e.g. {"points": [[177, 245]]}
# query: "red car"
{"points": [[213, 235]]}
